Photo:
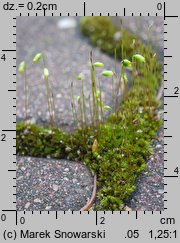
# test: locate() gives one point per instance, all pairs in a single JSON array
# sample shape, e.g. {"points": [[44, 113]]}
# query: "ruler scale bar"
{"points": [[9, 50], [108, 222]]}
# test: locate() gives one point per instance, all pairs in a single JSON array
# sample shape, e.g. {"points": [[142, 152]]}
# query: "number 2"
{"points": [[3, 139], [176, 90]]}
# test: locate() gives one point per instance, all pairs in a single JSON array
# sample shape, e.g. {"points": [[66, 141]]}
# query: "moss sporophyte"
{"points": [[116, 146], [22, 71], [50, 99]]}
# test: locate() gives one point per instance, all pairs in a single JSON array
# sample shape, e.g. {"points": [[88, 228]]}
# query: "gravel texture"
{"points": [[49, 184], [149, 194]]}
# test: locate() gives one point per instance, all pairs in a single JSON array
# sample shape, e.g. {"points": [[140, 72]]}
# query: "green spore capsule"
{"points": [[22, 67], [139, 58], [98, 64], [37, 57], [107, 73], [106, 108], [126, 63], [79, 77]]}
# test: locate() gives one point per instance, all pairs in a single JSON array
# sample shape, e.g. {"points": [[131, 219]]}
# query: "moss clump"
{"points": [[101, 33], [123, 142], [36, 141], [123, 147]]}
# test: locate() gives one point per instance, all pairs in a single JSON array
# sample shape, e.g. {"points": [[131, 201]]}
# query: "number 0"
{"points": [[29, 5], [159, 6], [3, 217], [22, 220]]}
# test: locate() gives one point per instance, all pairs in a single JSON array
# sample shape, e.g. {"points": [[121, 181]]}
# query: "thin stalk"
{"points": [[90, 109], [44, 61], [26, 95], [125, 88], [113, 94], [133, 72], [115, 60], [118, 84], [93, 87], [50, 106], [116, 99], [48, 90], [84, 103], [53, 107], [101, 102], [149, 30], [73, 106], [118, 90], [50, 102], [72, 109], [81, 113], [148, 70]]}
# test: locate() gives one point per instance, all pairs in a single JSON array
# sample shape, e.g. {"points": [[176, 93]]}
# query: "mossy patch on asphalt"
{"points": [[124, 141]]}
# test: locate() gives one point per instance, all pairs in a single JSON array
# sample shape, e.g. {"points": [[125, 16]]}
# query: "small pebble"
{"points": [[58, 96], [66, 169], [37, 200], [55, 187], [160, 191], [75, 181], [48, 207], [67, 23], [126, 208], [27, 205], [158, 146]]}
